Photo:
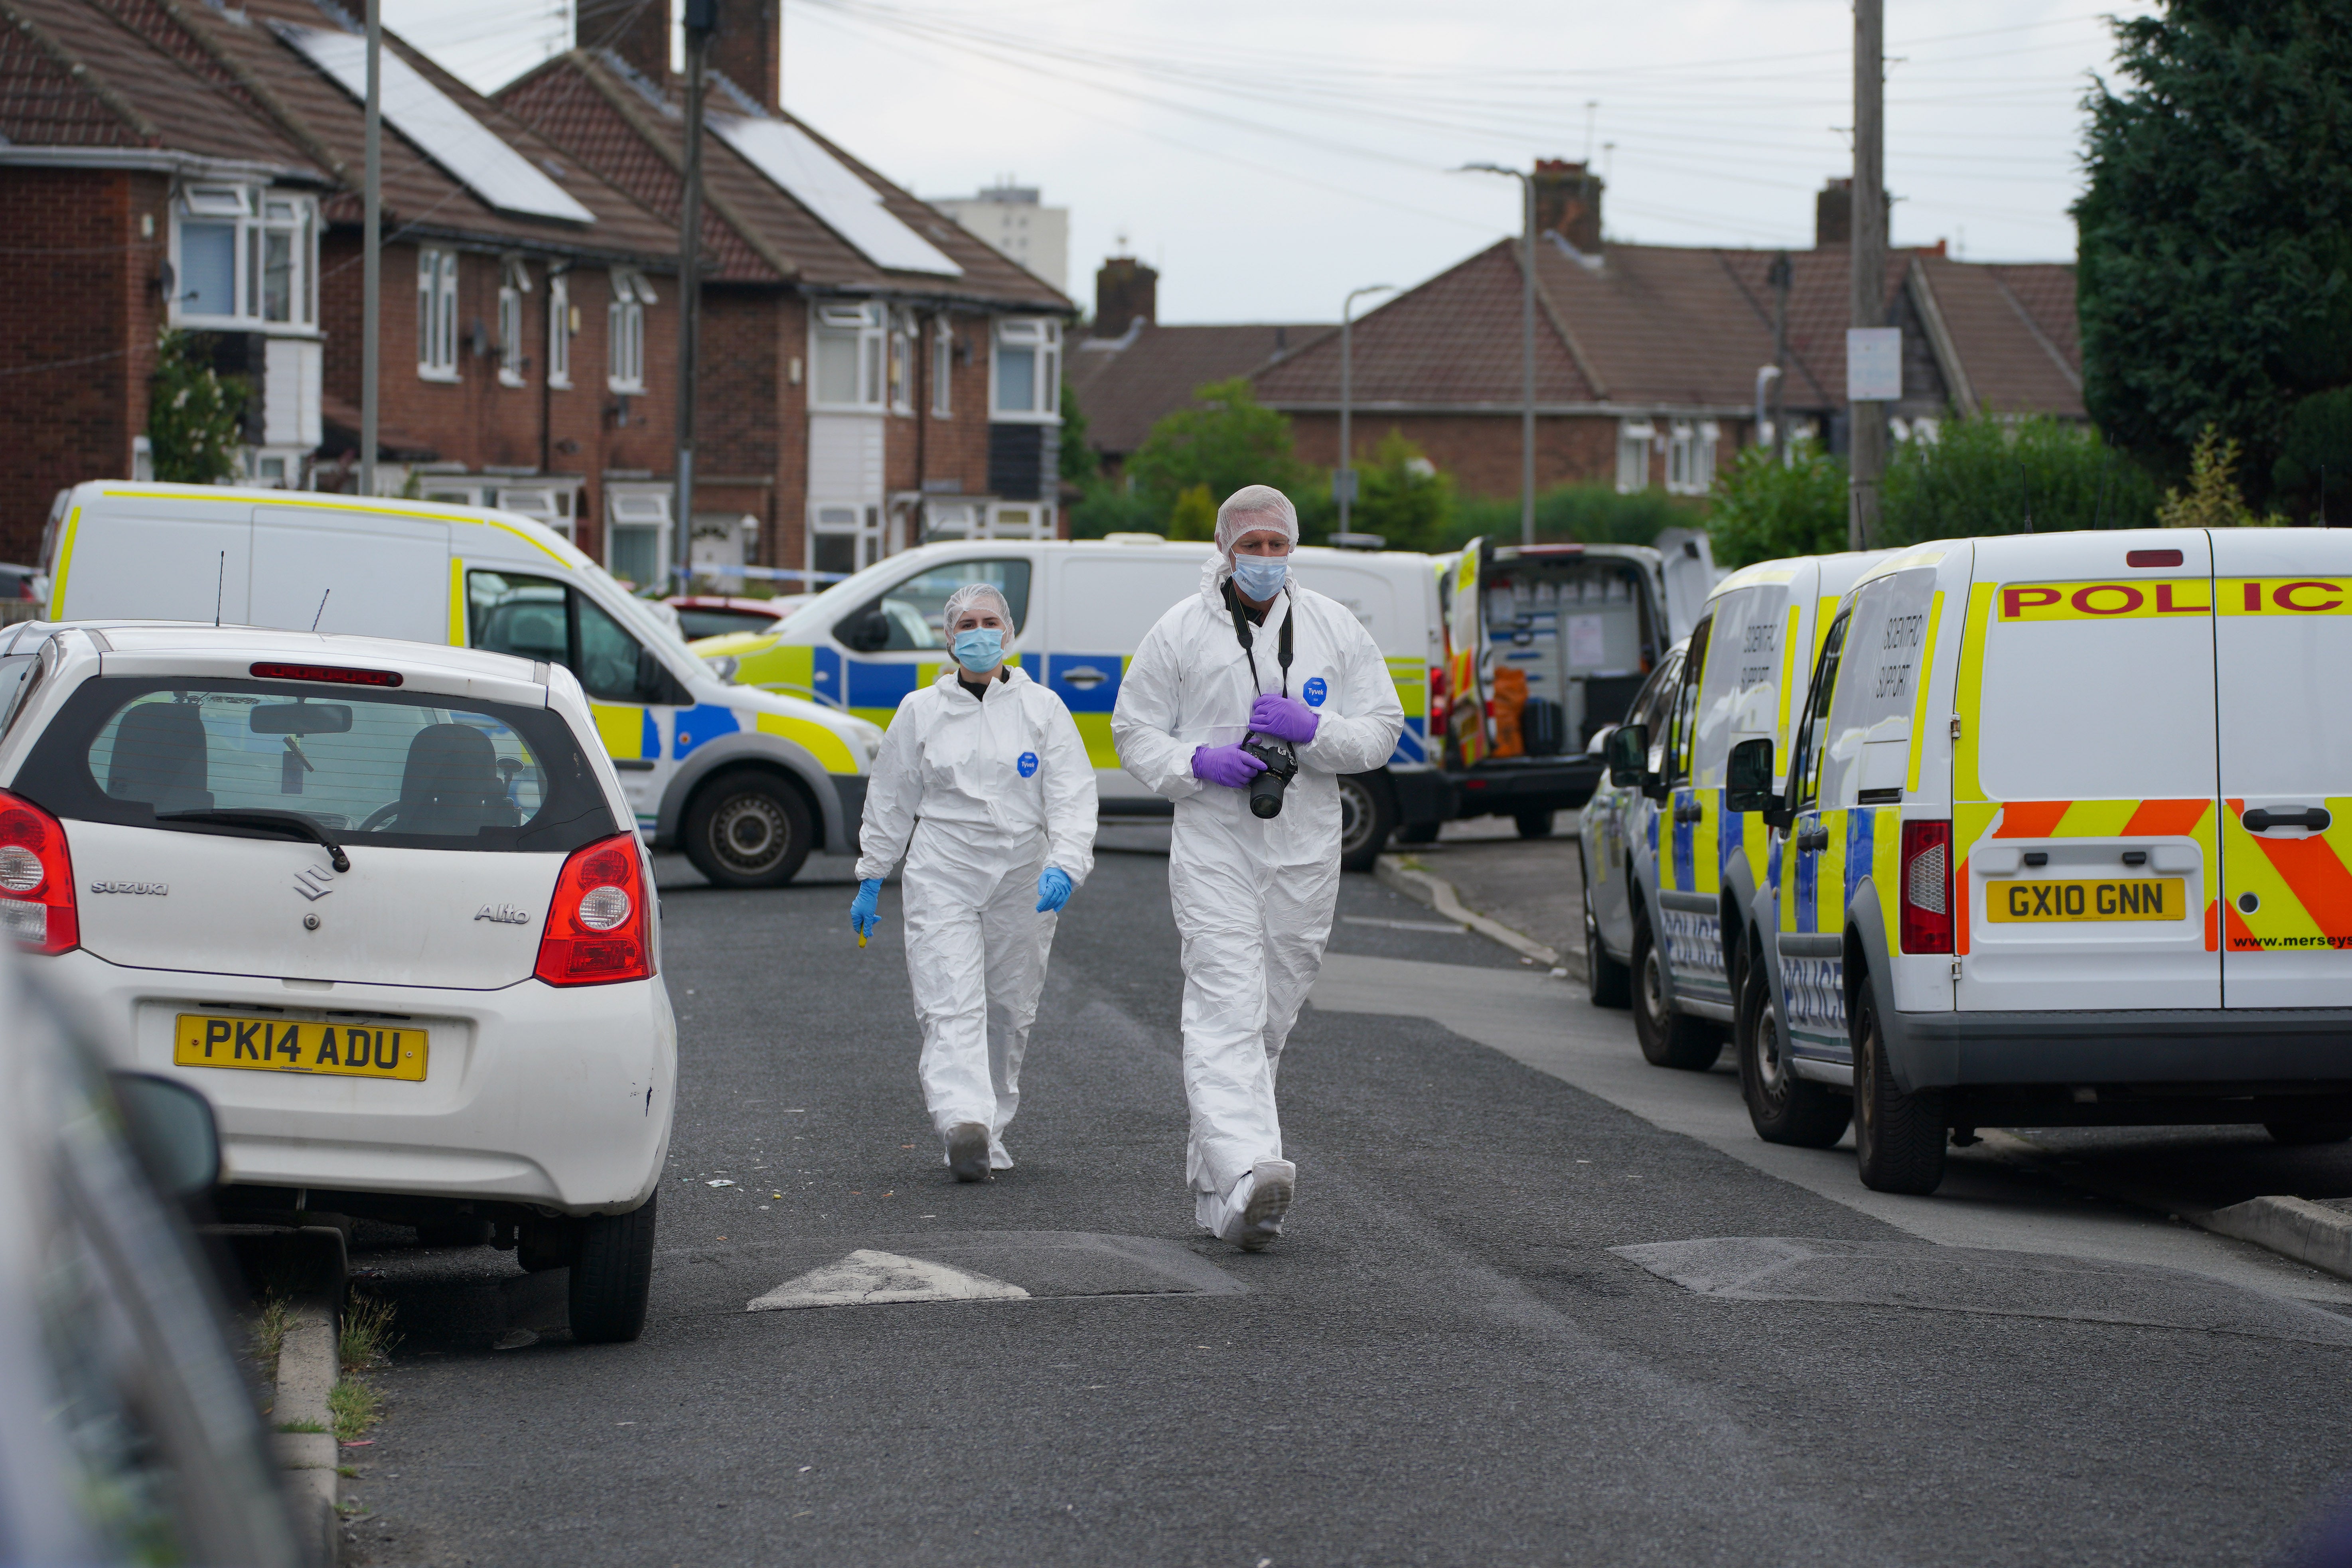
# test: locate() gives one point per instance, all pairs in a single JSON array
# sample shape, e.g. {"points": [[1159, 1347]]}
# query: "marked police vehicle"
{"points": [[2059, 845], [1669, 873], [745, 783]]}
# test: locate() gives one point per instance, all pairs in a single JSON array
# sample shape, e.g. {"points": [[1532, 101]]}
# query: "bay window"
{"points": [[244, 255], [1025, 372], [848, 353]]}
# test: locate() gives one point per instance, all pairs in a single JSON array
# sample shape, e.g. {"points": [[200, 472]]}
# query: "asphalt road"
{"points": [[1447, 1360]]}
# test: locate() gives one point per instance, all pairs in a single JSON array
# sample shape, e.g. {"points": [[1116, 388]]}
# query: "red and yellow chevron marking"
{"points": [[2302, 887], [1976, 823]]}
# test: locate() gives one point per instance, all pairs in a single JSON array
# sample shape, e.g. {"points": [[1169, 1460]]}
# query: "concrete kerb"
{"points": [[307, 1369], [2295, 1227], [1439, 894]]}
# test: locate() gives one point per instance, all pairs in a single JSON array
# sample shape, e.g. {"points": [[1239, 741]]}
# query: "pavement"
{"points": [[1537, 1302]]}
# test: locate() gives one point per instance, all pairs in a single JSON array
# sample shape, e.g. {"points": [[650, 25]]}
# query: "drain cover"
{"points": [[1975, 1279]]}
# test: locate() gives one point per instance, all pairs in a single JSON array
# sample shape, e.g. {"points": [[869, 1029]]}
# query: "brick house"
{"points": [[1647, 356], [176, 163], [873, 376]]}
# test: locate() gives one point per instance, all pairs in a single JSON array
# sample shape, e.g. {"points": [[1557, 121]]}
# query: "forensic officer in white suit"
{"points": [[1249, 677]]}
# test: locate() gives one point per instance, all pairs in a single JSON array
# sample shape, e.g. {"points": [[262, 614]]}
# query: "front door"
{"points": [[2283, 642], [1809, 942], [1690, 873]]}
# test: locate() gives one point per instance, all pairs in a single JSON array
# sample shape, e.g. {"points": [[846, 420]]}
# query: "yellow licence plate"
{"points": [[288, 1045], [2139, 899]]}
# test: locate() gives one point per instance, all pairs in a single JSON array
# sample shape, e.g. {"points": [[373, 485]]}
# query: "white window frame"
{"points": [[624, 334], [863, 324], [1633, 438], [1043, 336], [561, 325], [255, 214], [906, 337], [842, 520], [436, 313], [1021, 519], [638, 507], [943, 368], [514, 282]]}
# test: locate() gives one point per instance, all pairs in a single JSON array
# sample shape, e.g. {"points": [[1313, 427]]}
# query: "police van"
{"points": [[1080, 608], [745, 783], [2058, 844], [1669, 874]]}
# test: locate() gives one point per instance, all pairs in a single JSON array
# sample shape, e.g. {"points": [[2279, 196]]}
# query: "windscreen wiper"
{"points": [[292, 822]]}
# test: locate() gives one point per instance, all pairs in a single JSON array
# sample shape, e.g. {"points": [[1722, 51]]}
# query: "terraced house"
{"points": [[873, 376], [196, 166]]}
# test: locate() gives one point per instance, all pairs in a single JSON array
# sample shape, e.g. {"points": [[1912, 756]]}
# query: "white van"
{"points": [[1081, 607], [745, 783], [2061, 843], [1669, 874]]}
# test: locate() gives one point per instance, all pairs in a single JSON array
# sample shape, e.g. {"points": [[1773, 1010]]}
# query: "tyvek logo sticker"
{"points": [[1027, 764], [1316, 691]]}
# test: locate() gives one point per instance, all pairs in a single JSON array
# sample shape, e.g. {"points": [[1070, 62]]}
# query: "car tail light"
{"points": [[1438, 708], [1926, 886], [596, 926], [37, 884], [2152, 557], [333, 674]]}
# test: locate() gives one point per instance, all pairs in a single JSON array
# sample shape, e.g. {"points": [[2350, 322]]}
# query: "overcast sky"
{"points": [[1269, 156]]}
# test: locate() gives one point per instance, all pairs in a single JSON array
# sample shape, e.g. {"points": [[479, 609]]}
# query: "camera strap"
{"points": [[1282, 639]]}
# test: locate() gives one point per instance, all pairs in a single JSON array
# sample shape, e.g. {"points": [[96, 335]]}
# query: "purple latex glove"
{"points": [[1227, 765], [1284, 718]]}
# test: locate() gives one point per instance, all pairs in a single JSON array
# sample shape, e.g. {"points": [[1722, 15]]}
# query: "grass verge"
{"points": [[366, 1341], [268, 1337]]}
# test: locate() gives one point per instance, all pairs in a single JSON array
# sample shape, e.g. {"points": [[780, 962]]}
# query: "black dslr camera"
{"points": [[1281, 766]]}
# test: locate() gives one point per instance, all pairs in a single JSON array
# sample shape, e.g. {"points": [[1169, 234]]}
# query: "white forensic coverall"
{"points": [[990, 792], [1252, 897]]}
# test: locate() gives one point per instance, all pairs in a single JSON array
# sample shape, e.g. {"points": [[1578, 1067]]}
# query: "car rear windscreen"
{"points": [[403, 770]]}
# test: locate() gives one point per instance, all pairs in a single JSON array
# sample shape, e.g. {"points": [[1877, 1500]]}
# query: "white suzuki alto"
{"points": [[382, 903]]}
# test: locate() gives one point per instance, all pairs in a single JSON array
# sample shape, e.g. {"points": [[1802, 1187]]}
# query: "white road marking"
{"points": [[1985, 1201], [869, 1279]]}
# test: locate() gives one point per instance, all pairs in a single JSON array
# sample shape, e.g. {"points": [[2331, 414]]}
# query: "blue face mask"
{"points": [[980, 649], [1260, 576]]}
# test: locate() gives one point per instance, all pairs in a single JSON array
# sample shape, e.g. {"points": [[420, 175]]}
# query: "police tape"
{"points": [[763, 574]]}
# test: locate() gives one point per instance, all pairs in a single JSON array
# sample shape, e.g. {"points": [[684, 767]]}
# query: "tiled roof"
{"points": [[1124, 390], [218, 83], [607, 115]]}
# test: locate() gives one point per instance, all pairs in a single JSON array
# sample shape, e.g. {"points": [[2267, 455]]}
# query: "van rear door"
{"points": [[2282, 632], [1467, 671], [2084, 775], [381, 574], [171, 554]]}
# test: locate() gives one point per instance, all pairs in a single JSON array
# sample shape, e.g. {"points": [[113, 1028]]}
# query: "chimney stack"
{"points": [[1833, 214], [1125, 289], [747, 49], [1567, 203], [637, 30]]}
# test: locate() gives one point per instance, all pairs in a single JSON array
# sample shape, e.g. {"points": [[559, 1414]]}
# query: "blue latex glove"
{"points": [[1227, 765], [1053, 889], [864, 917], [1284, 718]]}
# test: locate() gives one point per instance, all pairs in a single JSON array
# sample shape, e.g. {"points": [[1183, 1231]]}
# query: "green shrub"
{"points": [[1765, 509], [1993, 474], [195, 415], [2316, 443], [1401, 498], [2212, 500], [1107, 505], [1226, 440]]}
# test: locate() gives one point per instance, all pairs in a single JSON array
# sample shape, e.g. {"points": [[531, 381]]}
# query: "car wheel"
{"points": [[746, 829], [611, 1271], [1667, 1039], [1609, 982], [1898, 1138], [1367, 817], [1534, 824], [2304, 1134], [1419, 832], [1782, 1107]]}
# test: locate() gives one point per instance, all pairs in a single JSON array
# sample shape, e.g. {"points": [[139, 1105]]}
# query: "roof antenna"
{"points": [[322, 610], [220, 584]]}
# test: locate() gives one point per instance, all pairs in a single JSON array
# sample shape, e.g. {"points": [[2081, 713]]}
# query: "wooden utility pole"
{"points": [[701, 19], [1867, 422], [1779, 276]]}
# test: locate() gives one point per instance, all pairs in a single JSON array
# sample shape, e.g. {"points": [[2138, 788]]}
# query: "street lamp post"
{"points": [[1526, 344], [701, 20], [1346, 396], [371, 249]]}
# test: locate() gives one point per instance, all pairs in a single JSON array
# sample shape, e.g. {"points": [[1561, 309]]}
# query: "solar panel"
{"points": [[452, 138], [841, 201]]}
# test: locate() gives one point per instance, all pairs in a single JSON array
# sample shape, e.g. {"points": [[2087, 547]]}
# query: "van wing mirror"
{"points": [[1629, 754], [1747, 780], [172, 1127], [869, 632]]}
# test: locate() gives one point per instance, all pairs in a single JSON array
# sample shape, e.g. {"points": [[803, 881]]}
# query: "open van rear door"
{"points": [[2283, 630], [2084, 775], [1467, 673], [1687, 561]]}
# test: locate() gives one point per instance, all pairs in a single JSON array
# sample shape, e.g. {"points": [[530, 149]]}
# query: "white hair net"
{"points": [[972, 593], [1250, 508]]}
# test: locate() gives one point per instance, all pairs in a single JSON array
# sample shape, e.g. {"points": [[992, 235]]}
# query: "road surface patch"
{"points": [[871, 1279], [956, 1265]]}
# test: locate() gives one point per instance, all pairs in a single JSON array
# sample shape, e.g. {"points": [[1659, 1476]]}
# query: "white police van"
{"points": [[2059, 845], [745, 783]]}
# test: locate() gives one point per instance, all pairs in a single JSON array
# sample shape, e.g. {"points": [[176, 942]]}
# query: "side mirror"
{"points": [[1628, 753], [869, 632], [172, 1127], [1747, 781]]}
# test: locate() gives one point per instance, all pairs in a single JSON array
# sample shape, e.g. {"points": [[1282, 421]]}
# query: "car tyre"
{"points": [[1898, 1138], [612, 1271], [1781, 1107], [1367, 816], [2307, 1134], [1607, 982], [1535, 824], [747, 828], [1667, 1039]]}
